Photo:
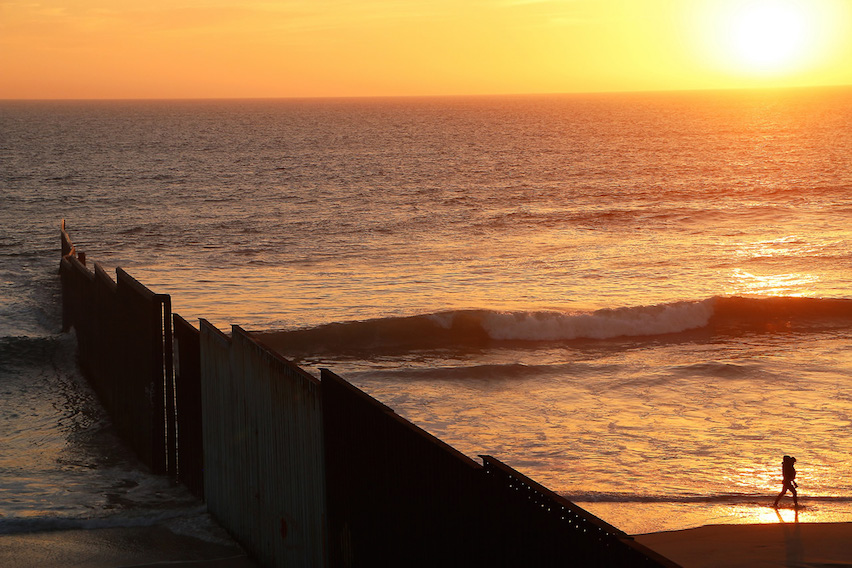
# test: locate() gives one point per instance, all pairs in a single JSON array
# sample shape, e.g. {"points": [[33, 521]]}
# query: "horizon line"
{"points": [[432, 96]]}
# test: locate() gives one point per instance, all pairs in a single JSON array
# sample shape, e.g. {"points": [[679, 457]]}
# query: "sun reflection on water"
{"points": [[791, 245], [639, 518], [742, 281], [745, 283], [752, 514]]}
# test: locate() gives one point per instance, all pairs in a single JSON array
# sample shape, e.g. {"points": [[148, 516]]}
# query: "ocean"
{"points": [[641, 300]]}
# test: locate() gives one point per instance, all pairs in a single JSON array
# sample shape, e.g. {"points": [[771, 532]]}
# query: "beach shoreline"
{"points": [[718, 546], [119, 547]]}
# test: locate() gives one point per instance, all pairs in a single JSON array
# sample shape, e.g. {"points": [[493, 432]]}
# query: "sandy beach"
{"points": [[118, 547], [809, 545]]}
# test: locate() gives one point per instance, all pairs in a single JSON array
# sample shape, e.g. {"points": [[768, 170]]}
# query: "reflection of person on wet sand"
{"points": [[790, 484]]}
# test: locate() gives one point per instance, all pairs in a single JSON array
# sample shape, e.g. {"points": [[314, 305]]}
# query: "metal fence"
{"points": [[190, 449], [124, 348], [263, 440], [307, 472], [398, 496], [536, 527]]}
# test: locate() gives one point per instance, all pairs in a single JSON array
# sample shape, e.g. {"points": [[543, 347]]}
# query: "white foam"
{"points": [[602, 324]]}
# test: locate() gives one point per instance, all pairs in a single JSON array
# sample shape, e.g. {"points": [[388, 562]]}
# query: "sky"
{"points": [[105, 49]]}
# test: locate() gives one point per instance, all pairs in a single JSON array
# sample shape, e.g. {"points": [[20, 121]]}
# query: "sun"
{"points": [[771, 35], [768, 37]]}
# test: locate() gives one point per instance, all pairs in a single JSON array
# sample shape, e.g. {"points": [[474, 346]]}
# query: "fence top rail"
{"points": [[210, 329], [329, 376], [103, 275], [73, 264], [492, 464], [125, 279], [180, 320], [437, 442], [237, 331], [556, 504]]}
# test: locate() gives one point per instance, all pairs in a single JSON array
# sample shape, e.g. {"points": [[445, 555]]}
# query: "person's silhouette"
{"points": [[789, 473]]}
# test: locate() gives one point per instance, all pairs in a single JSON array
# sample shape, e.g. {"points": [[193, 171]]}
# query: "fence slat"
{"points": [[187, 361]]}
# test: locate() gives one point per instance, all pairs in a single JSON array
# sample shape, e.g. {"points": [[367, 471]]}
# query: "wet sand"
{"points": [[118, 547], [801, 545]]}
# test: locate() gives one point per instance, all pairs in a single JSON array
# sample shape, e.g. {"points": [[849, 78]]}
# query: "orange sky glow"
{"points": [[103, 49]]}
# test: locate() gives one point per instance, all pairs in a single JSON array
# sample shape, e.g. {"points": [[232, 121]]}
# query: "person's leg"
{"points": [[795, 496], [783, 491]]}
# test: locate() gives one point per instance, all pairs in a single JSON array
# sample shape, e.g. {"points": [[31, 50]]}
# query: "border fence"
{"points": [[307, 471], [124, 344]]}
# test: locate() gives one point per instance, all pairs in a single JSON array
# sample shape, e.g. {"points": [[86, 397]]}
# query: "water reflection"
{"points": [[792, 245], [792, 539], [790, 284], [762, 514], [645, 517]]}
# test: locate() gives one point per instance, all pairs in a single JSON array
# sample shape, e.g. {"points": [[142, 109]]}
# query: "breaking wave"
{"points": [[717, 315]]}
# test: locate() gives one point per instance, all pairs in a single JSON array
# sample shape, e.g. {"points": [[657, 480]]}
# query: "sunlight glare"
{"points": [[769, 37], [769, 34], [744, 283]]}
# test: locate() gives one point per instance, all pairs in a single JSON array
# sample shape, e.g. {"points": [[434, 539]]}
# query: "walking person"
{"points": [[789, 483]]}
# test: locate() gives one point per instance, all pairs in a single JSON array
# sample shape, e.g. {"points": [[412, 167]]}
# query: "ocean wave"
{"points": [[474, 372], [800, 311], [480, 328]]}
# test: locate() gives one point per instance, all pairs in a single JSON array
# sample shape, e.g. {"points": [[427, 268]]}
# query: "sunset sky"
{"points": [[306, 48]]}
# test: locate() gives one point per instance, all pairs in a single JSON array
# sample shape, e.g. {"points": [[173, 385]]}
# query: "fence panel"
{"points": [[140, 378], [219, 434], [397, 496], [124, 350], [104, 361], [190, 444], [264, 470]]}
